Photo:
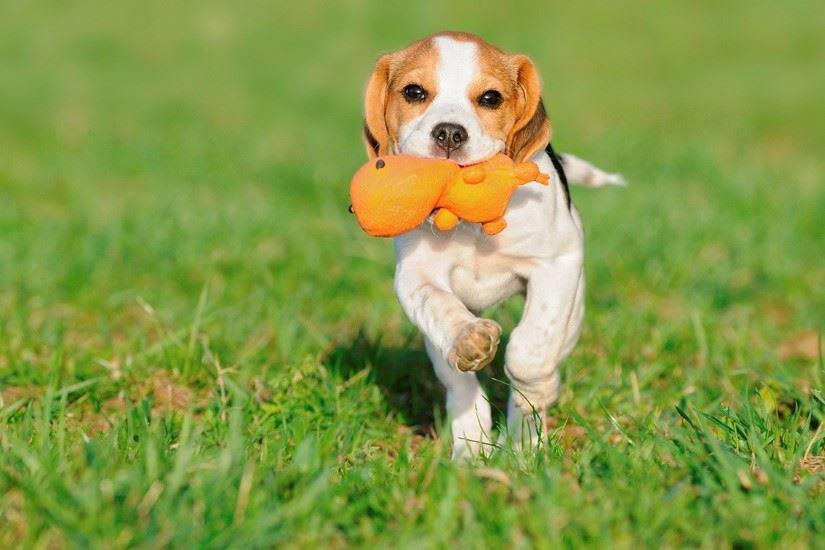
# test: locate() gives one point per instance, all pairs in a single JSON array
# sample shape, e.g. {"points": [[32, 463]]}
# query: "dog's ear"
{"points": [[531, 131], [376, 135]]}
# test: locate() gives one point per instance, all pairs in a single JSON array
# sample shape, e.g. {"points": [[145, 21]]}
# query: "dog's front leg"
{"points": [[457, 343], [547, 332], [467, 342], [468, 410]]}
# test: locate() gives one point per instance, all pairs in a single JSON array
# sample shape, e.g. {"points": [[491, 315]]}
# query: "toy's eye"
{"points": [[490, 99], [414, 93], [379, 164]]}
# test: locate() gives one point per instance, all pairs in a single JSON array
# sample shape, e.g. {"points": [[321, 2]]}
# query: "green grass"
{"points": [[199, 347]]}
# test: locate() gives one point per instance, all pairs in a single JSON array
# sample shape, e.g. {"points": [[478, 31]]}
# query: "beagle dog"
{"points": [[452, 95]]}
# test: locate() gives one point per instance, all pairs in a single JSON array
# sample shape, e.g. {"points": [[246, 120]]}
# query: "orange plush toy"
{"points": [[394, 194]]}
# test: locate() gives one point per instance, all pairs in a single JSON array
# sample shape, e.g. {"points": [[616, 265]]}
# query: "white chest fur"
{"points": [[482, 275], [482, 270]]}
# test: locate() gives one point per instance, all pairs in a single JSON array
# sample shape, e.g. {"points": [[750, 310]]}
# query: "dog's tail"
{"points": [[581, 172], [578, 171]]}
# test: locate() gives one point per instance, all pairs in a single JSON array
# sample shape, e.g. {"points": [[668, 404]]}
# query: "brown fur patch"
{"points": [[531, 131], [384, 105]]}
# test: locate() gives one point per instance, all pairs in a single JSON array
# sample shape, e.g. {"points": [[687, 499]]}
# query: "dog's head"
{"points": [[453, 95]]}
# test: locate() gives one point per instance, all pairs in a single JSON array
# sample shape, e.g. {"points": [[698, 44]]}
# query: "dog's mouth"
{"points": [[461, 160], [457, 157], [460, 156]]}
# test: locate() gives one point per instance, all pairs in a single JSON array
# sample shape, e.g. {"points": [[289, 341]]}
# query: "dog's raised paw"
{"points": [[475, 346]]}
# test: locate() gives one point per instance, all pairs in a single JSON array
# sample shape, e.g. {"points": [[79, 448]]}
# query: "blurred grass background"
{"points": [[193, 326]]}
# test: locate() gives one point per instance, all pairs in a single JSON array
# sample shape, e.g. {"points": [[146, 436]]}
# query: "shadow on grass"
{"points": [[403, 373], [406, 378]]}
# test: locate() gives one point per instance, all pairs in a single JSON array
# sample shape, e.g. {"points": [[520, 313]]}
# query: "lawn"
{"points": [[200, 348]]}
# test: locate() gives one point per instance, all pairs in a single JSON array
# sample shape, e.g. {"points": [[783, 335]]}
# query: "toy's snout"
{"points": [[391, 196], [379, 164]]}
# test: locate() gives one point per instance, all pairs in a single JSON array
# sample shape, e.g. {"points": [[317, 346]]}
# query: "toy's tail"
{"points": [[528, 172], [583, 173]]}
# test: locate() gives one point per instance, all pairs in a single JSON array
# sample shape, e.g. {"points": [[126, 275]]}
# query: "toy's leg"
{"points": [[548, 330], [467, 407], [474, 174], [494, 227], [445, 220]]}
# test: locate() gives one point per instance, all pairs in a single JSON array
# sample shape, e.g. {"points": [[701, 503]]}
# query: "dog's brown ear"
{"points": [[376, 135], [531, 131]]}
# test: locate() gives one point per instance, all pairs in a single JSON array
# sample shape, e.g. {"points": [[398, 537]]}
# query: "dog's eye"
{"points": [[490, 99], [414, 93]]}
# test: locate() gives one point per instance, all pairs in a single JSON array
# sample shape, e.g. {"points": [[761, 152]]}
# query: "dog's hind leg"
{"points": [[546, 334]]}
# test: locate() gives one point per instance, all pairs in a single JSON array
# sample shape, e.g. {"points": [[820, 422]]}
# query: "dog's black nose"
{"points": [[449, 136]]}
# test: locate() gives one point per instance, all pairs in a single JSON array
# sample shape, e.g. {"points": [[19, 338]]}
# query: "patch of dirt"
{"points": [[813, 464], [13, 394], [673, 308], [14, 518], [168, 394], [571, 435], [778, 312], [801, 345], [165, 392]]}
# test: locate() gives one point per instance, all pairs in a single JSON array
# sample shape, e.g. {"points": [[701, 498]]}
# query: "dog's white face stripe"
{"points": [[458, 67]]}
